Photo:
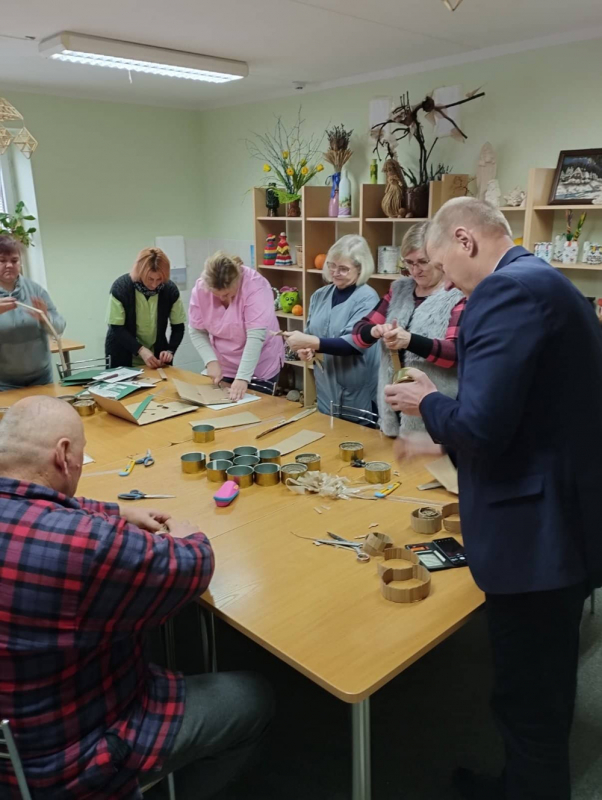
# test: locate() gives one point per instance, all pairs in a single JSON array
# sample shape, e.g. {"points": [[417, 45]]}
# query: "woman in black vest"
{"points": [[140, 306]]}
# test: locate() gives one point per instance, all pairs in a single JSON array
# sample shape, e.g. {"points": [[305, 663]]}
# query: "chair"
{"points": [[352, 414], [8, 750], [170, 786], [73, 367]]}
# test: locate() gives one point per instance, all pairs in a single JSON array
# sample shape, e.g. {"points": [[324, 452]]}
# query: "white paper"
{"points": [[248, 398], [116, 375], [88, 459]]}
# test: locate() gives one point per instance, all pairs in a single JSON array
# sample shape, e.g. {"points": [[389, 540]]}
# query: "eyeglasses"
{"points": [[421, 262], [334, 268]]}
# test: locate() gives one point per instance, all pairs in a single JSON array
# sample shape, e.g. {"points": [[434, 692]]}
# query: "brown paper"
{"points": [[154, 412], [206, 394], [444, 471], [232, 421], [297, 441]]}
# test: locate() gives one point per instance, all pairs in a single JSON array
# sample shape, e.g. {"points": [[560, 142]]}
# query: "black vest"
{"points": [[121, 343]]}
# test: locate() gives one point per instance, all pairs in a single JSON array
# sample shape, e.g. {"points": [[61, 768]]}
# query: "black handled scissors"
{"points": [[136, 494]]}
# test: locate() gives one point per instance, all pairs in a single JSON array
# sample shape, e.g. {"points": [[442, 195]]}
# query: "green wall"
{"points": [[109, 178]]}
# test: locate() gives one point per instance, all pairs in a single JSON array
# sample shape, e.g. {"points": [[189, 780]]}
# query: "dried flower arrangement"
{"points": [[338, 153]]}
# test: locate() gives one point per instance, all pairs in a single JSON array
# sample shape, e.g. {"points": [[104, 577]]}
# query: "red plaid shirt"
{"points": [[443, 351], [78, 588]]}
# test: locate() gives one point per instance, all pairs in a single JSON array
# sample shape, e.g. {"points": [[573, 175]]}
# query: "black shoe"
{"points": [[471, 786]]}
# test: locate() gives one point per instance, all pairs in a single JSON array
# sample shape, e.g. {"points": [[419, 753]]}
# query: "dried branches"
{"points": [[338, 153]]}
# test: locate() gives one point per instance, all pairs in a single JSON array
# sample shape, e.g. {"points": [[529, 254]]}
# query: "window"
{"points": [[3, 204]]}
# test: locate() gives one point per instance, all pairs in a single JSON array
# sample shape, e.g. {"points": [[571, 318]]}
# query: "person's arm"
{"points": [[202, 344], [503, 344], [251, 353], [362, 336], [177, 323], [135, 579], [116, 321], [336, 347], [98, 507], [441, 352]]}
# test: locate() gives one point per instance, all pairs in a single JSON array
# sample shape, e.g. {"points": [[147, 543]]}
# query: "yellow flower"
{"points": [[267, 168], [303, 162], [320, 168], [285, 154], [304, 170], [290, 171]]}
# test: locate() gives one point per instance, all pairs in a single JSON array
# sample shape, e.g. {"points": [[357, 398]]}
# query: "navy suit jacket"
{"points": [[526, 429]]}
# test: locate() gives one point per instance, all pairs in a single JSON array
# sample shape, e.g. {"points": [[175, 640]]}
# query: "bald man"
{"points": [[80, 583], [526, 430]]}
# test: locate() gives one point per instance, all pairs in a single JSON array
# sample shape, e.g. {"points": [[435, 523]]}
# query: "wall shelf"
{"points": [[279, 219], [567, 208], [579, 265], [390, 277], [509, 209], [407, 220], [283, 315], [292, 268], [332, 219]]}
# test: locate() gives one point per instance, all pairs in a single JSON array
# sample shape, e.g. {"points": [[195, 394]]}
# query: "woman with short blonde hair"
{"points": [[347, 380], [141, 305], [232, 319]]}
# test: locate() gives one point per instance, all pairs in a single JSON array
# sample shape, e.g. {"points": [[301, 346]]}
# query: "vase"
{"points": [[570, 252], [333, 204], [344, 195], [559, 242], [417, 200], [293, 209]]}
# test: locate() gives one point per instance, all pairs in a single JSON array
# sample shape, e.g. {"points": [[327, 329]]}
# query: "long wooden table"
{"points": [[316, 608], [69, 346]]}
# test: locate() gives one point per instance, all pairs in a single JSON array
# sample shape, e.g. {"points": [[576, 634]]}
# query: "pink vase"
{"points": [[333, 204]]}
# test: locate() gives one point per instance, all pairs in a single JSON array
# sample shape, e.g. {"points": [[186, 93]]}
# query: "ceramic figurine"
{"points": [[516, 198], [592, 253], [570, 252], [344, 195], [289, 297], [486, 170], [269, 253], [283, 252], [493, 193], [395, 190], [543, 250], [559, 242], [272, 203]]}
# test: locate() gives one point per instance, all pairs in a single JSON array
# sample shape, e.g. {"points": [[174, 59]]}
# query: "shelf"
{"points": [[279, 219], [332, 219], [294, 363], [316, 271], [506, 209], [397, 219], [392, 276], [568, 208], [283, 315], [292, 268], [586, 267]]}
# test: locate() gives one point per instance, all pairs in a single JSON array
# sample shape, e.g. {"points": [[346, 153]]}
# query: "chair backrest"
{"points": [[100, 363], [8, 750], [352, 414]]}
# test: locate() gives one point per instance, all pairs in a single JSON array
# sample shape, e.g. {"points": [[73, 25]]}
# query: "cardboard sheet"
{"points": [[296, 442], [444, 471], [154, 412], [231, 421], [203, 395]]}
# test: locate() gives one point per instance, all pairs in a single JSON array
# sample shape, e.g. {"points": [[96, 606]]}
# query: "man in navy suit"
{"points": [[526, 434]]}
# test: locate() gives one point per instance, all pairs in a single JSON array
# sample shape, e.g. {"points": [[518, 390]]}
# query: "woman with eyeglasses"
{"points": [[349, 372], [418, 323], [24, 346]]}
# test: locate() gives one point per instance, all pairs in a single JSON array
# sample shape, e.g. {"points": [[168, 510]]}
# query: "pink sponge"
{"points": [[226, 494]]}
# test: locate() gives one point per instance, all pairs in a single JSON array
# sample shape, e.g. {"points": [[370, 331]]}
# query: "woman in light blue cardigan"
{"points": [[24, 348]]}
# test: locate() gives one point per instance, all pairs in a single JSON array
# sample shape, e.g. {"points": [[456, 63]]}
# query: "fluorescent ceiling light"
{"points": [[77, 48]]}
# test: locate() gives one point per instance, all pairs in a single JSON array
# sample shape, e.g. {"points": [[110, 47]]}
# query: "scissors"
{"points": [[344, 544], [147, 460], [136, 494]]}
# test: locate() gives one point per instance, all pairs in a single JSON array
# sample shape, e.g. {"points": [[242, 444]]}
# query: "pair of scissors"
{"points": [[136, 494], [147, 460], [344, 544]]}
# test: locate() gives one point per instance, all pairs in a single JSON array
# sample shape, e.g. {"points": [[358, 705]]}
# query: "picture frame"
{"points": [[578, 178]]}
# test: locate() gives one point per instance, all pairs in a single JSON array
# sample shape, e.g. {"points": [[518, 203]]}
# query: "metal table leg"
{"points": [[360, 726]]}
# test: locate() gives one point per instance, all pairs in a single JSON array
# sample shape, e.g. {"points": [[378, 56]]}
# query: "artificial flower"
{"points": [[319, 168], [303, 162], [285, 154], [290, 171], [267, 168], [304, 170]]}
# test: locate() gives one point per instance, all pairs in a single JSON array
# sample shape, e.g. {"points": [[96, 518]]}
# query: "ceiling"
{"points": [[319, 42]]}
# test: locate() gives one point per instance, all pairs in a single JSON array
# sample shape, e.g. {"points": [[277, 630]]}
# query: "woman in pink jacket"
{"points": [[231, 315]]}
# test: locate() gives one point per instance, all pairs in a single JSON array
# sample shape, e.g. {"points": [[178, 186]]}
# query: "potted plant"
{"points": [[14, 225], [290, 159]]}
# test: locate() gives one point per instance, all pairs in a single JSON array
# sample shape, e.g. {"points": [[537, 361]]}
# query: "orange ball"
{"points": [[297, 311], [319, 260]]}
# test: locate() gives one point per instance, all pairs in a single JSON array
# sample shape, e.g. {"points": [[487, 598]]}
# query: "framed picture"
{"points": [[578, 178]]}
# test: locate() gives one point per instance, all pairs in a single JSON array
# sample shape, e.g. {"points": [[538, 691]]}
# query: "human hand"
{"points": [[414, 445], [406, 397], [181, 529], [305, 354], [238, 389], [165, 357], [149, 358], [7, 304], [214, 371], [378, 331], [146, 518], [397, 338], [301, 341], [38, 303]]}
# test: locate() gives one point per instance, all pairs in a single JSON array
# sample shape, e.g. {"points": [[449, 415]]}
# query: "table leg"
{"points": [[207, 626], [360, 726]]}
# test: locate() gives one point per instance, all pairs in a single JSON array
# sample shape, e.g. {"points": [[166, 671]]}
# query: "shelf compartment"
{"points": [[407, 220], [507, 209], [568, 208], [578, 265], [292, 268], [284, 315], [278, 219], [332, 219]]}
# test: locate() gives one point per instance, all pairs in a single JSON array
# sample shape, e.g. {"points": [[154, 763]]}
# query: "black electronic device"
{"points": [[452, 550], [430, 557]]}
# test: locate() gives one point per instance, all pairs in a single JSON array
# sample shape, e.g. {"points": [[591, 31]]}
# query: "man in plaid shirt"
{"points": [[80, 583]]}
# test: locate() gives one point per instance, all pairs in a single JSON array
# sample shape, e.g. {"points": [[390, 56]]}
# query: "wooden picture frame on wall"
{"points": [[578, 178]]}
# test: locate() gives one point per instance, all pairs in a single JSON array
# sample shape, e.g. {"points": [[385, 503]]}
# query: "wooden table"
{"points": [[316, 608], [68, 346]]}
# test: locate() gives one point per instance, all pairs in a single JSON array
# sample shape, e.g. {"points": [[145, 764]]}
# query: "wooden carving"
{"points": [[394, 197]]}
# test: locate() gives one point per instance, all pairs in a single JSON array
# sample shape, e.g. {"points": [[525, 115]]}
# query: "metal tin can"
{"points": [[193, 462], [269, 456], [377, 472], [267, 474], [221, 455], [292, 471], [216, 470], [203, 433], [241, 475], [311, 460], [245, 451], [350, 451]]}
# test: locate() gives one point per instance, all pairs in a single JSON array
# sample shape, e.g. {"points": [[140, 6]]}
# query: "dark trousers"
{"points": [[535, 643], [226, 716]]}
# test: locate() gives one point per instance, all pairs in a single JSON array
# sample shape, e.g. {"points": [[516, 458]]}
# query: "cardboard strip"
{"points": [[206, 394], [154, 412], [232, 421], [304, 413], [297, 441], [375, 544], [444, 471], [401, 572], [52, 330], [426, 520], [451, 525], [411, 594]]}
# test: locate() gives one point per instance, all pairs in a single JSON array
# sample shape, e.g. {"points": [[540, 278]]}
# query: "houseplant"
{"points": [[14, 225], [289, 159]]}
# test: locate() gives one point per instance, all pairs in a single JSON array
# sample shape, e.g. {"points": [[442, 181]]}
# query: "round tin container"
{"points": [[246, 461], [269, 456], [216, 470], [193, 462], [85, 408], [221, 455], [377, 472], [203, 433], [349, 451], [292, 471], [267, 474], [311, 460], [245, 451], [243, 476]]}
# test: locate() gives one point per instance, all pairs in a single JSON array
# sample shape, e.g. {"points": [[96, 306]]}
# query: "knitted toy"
{"points": [[283, 258], [269, 254]]}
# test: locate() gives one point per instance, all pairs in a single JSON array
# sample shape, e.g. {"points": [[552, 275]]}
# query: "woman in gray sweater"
{"points": [[24, 348]]}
